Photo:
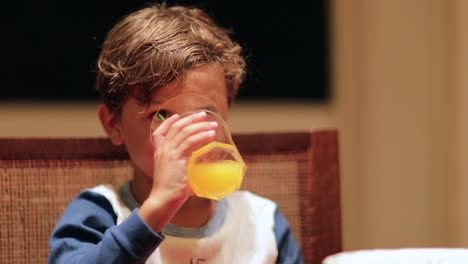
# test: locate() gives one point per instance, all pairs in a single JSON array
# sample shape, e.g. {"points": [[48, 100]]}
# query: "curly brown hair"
{"points": [[153, 46]]}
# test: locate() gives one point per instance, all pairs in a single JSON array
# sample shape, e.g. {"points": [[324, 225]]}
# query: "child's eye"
{"points": [[161, 115]]}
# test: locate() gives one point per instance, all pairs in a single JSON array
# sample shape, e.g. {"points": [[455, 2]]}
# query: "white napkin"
{"points": [[401, 256]]}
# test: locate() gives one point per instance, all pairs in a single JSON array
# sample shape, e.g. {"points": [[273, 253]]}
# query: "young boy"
{"points": [[149, 57]]}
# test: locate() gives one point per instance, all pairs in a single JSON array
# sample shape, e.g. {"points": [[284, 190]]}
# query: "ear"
{"points": [[110, 124]]}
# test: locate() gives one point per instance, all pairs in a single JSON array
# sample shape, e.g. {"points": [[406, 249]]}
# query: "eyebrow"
{"points": [[157, 102]]}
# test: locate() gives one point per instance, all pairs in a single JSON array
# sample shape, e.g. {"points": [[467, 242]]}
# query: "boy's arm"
{"points": [[87, 233], [288, 250]]}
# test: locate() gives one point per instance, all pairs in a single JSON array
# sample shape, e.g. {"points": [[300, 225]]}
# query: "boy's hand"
{"points": [[174, 141]]}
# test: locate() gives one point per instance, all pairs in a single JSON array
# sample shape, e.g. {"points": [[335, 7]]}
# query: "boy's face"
{"points": [[133, 126]]}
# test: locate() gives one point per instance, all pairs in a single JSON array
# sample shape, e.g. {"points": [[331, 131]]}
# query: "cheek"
{"points": [[142, 157], [140, 150]]}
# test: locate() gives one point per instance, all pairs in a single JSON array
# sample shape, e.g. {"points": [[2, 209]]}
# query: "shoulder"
{"points": [[106, 191], [88, 215], [100, 202], [111, 195], [91, 203]]}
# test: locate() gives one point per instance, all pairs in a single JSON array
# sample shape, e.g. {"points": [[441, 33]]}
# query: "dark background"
{"points": [[50, 47]]}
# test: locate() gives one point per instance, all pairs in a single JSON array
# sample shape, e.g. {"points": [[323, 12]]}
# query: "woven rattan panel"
{"points": [[34, 195]]}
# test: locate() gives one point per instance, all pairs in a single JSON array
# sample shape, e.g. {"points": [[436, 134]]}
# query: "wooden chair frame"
{"points": [[319, 182]]}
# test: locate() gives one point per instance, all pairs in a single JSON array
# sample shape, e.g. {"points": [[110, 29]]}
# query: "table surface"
{"points": [[401, 256]]}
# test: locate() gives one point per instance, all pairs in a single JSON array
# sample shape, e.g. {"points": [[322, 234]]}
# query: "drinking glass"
{"points": [[216, 169]]}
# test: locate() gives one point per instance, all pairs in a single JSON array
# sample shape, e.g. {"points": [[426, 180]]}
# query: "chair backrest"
{"points": [[40, 176]]}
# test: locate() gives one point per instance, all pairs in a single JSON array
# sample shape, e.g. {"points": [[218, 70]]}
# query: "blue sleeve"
{"points": [[87, 233], [288, 250]]}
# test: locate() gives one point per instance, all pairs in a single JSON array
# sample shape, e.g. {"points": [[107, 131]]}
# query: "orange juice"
{"points": [[215, 180]]}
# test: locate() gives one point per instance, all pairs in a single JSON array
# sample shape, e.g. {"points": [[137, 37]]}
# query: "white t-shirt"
{"points": [[241, 230]]}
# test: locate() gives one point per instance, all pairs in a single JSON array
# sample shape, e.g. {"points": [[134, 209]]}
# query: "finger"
{"points": [[177, 126], [191, 130], [160, 132], [196, 141]]}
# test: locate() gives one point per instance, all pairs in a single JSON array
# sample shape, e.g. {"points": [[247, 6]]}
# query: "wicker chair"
{"points": [[40, 176]]}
